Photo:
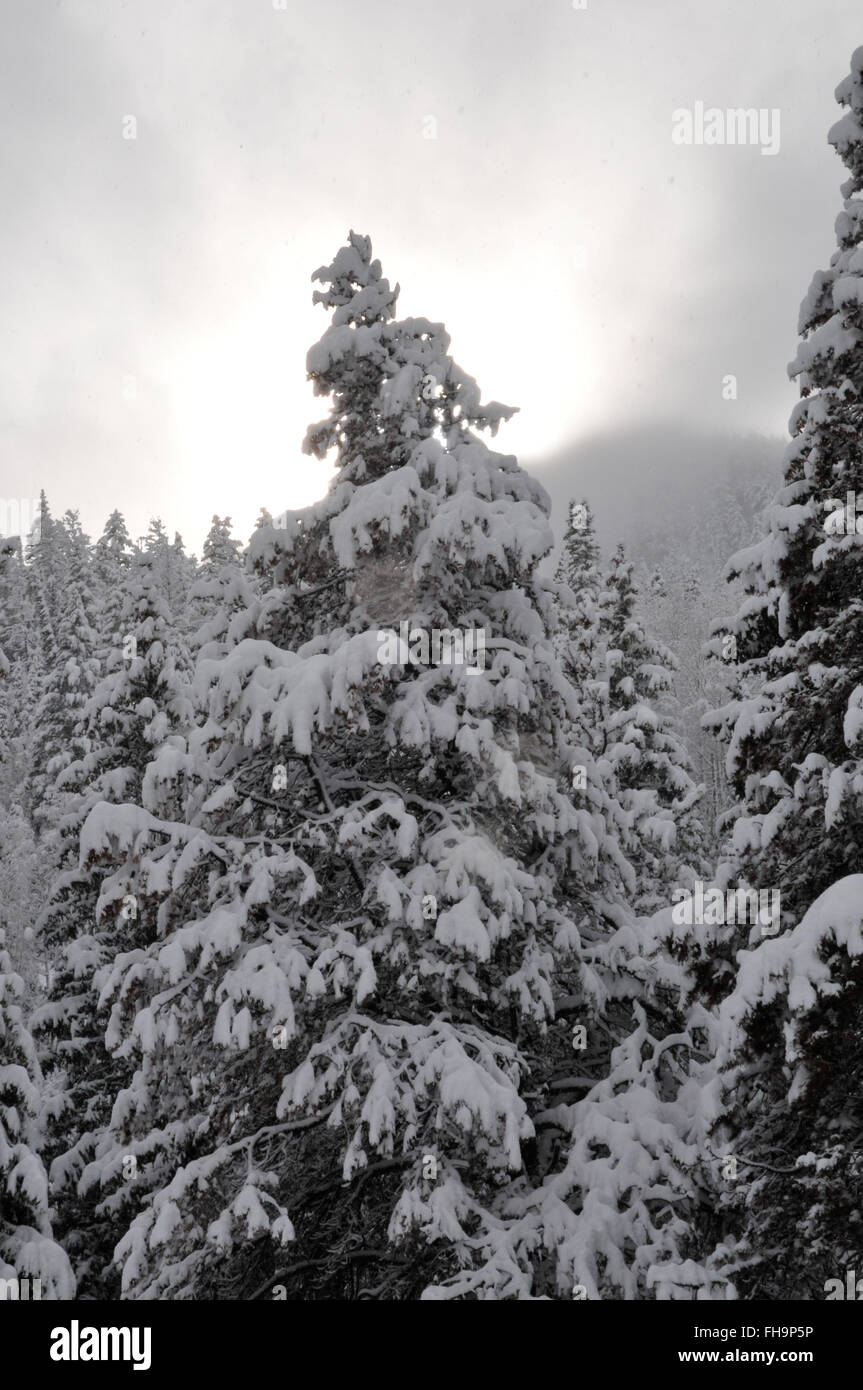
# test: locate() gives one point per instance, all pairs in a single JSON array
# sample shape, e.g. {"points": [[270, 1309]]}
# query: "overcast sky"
{"points": [[156, 291]]}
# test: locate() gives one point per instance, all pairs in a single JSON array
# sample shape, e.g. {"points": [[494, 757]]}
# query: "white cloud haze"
{"points": [[588, 269]]}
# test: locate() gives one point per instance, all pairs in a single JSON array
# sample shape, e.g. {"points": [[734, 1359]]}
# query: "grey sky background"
{"points": [[588, 269]]}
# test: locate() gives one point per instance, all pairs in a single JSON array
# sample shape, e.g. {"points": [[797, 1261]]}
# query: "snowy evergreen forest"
{"points": [[390, 913]]}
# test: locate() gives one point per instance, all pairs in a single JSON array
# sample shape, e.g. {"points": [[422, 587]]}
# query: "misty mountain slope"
{"points": [[681, 503], [664, 490]]}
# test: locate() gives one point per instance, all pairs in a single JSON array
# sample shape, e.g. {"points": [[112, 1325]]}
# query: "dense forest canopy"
{"points": [[411, 903]]}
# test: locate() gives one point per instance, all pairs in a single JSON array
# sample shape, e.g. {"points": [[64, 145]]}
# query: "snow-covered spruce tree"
{"points": [[681, 602], [641, 742], [579, 560], [21, 674], [27, 1247], [173, 568], [46, 575], [223, 590], [636, 1136], [787, 1102], [16, 606], [113, 551], [69, 680], [576, 638], [578, 642], [133, 732], [24, 866], [74, 546], [794, 754], [351, 1079], [112, 556], [220, 547]]}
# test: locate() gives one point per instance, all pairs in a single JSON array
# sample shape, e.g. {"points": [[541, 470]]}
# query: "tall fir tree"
{"points": [[579, 643], [134, 730], [642, 744], [223, 591], [45, 574], [174, 571], [220, 547], [112, 556], [786, 1100], [352, 1076], [71, 675], [21, 677]]}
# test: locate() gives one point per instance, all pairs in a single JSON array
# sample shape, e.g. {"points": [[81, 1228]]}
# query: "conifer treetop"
{"points": [[393, 383], [846, 136]]}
